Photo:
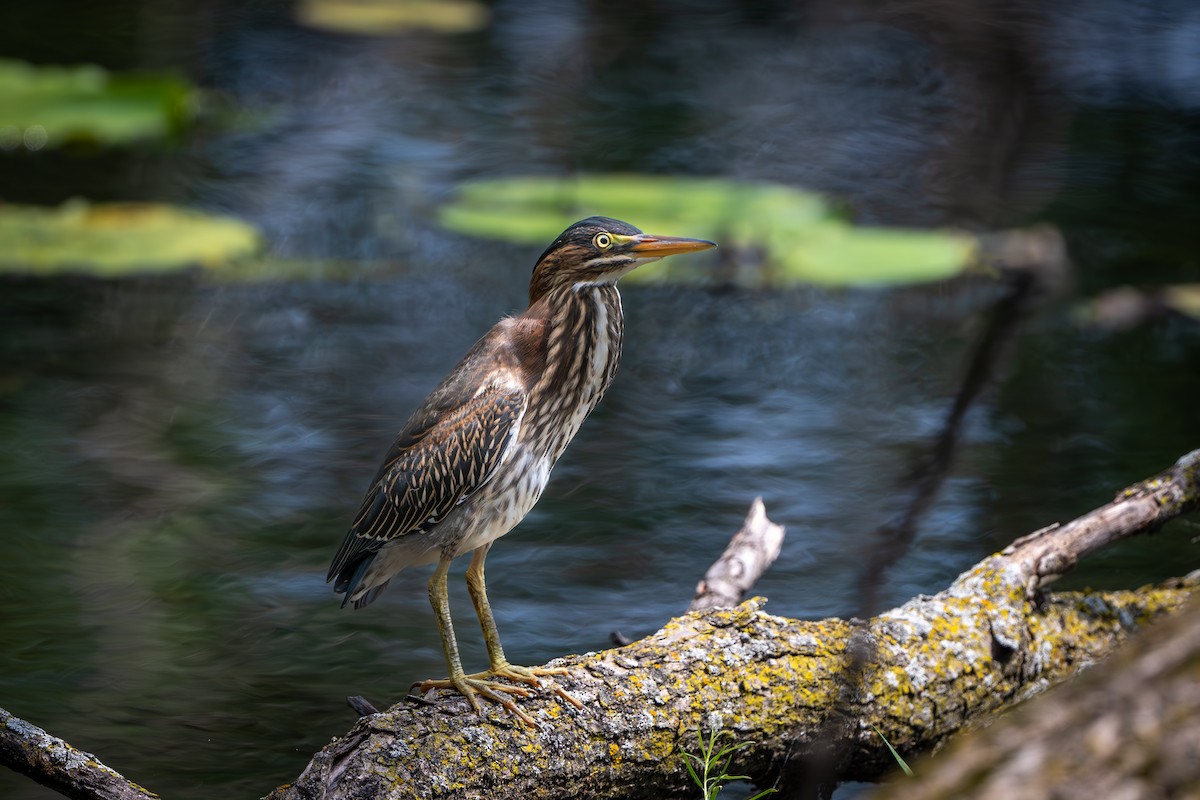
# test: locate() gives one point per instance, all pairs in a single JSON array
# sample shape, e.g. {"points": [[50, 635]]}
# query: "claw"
{"points": [[480, 684], [532, 676], [471, 685]]}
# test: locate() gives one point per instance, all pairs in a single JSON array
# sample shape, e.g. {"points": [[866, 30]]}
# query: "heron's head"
{"points": [[599, 250]]}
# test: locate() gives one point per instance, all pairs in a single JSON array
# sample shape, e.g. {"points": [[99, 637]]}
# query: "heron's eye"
{"points": [[602, 241]]}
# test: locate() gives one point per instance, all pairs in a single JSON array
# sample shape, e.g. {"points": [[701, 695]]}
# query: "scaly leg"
{"points": [[500, 667], [467, 685]]}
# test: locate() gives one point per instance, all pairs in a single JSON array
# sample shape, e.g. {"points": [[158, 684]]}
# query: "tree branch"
{"points": [[750, 553], [52, 762], [940, 664], [1144, 507], [1128, 728]]}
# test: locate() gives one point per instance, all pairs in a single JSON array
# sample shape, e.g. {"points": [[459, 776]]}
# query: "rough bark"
{"points": [[52, 762], [938, 664], [1127, 730]]}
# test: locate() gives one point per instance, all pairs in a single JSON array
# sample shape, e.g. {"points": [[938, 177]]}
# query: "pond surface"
{"points": [[180, 459]]}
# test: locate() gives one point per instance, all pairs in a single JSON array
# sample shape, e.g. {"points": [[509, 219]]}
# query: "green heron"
{"points": [[473, 459]]}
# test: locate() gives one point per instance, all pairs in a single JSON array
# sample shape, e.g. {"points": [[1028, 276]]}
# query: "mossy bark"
{"points": [[1130, 728], [820, 692], [939, 664], [50, 761]]}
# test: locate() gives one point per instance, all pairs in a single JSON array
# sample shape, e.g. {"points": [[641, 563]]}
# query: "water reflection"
{"points": [[178, 461]]}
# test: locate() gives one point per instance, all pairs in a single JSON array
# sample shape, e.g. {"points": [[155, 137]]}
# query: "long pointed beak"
{"points": [[650, 246]]}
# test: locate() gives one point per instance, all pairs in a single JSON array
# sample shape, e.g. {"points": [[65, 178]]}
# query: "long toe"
{"points": [[533, 676], [471, 687]]}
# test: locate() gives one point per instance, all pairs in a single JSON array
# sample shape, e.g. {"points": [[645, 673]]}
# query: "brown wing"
{"points": [[446, 452]]}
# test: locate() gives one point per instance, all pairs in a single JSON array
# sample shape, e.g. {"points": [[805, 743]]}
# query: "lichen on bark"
{"points": [[938, 665]]}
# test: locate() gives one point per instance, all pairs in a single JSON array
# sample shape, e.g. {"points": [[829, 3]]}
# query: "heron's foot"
{"points": [[474, 686], [533, 676]]}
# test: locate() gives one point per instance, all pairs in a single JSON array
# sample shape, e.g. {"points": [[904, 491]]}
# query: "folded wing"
{"points": [[446, 452]]}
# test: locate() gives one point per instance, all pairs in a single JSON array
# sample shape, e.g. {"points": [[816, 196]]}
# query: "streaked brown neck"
{"points": [[585, 326]]}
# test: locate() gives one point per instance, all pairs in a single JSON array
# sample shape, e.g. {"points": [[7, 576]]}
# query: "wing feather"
{"points": [[445, 453]]}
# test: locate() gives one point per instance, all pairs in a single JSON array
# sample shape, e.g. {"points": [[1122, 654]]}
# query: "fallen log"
{"points": [[937, 665]]}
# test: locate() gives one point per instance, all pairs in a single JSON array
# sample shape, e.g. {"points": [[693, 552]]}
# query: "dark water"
{"points": [[179, 460]]}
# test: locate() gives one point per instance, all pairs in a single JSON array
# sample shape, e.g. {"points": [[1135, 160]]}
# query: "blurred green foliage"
{"points": [[113, 239], [791, 236], [48, 106], [385, 17]]}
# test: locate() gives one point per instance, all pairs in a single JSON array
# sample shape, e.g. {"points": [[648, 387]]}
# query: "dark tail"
{"points": [[350, 576]]}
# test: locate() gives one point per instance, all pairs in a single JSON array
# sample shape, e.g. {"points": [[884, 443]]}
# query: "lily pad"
{"points": [[386, 17], [113, 239], [49, 106], [794, 235], [847, 255]]}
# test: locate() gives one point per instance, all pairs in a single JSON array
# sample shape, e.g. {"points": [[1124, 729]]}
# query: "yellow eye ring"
{"points": [[602, 240]]}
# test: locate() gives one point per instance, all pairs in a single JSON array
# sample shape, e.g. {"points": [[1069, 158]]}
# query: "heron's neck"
{"points": [[583, 350]]}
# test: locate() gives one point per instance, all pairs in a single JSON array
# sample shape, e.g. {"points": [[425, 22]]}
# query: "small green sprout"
{"points": [[708, 769], [895, 755]]}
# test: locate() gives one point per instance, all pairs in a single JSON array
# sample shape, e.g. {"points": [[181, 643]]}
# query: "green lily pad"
{"points": [[848, 255], [385, 17], [113, 239], [794, 235], [49, 106]]}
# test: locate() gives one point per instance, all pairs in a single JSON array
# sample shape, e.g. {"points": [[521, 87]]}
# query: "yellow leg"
{"points": [[467, 685], [500, 667]]}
